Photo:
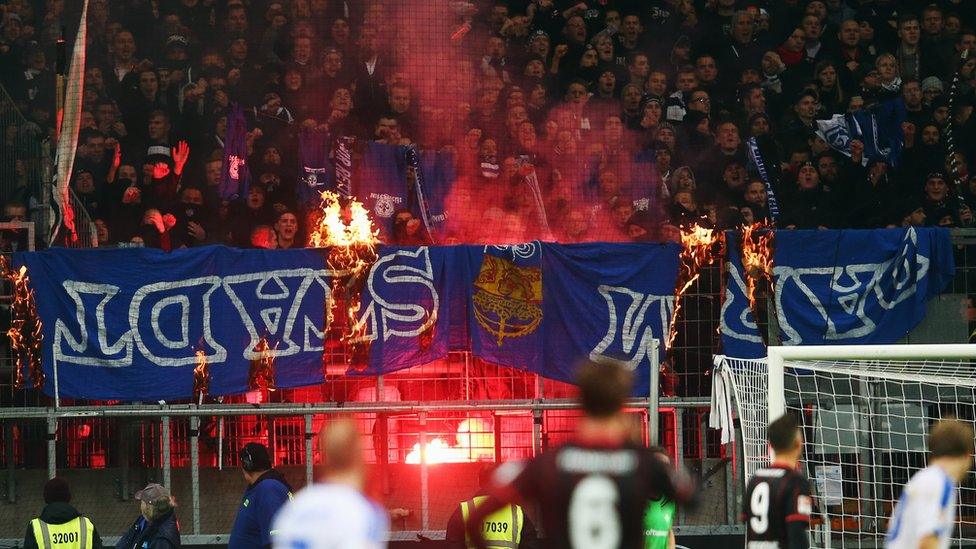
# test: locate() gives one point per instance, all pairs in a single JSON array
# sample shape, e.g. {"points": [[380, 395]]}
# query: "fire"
{"points": [[25, 331], [334, 231], [352, 241], [757, 258], [700, 246], [261, 375], [475, 442], [201, 375]]}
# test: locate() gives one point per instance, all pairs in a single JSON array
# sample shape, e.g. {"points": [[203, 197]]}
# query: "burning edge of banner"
{"points": [[347, 230], [25, 333]]}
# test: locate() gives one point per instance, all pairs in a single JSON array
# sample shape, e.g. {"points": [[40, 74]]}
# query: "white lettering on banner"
{"points": [[382, 318], [273, 310], [79, 345], [149, 294], [630, 333], [272, 289], [184, 326], [889, 282], [853, 289]]}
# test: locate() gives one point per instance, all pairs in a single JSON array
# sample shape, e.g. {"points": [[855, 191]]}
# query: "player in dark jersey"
{"points": [[777, 505], [593, 491]]}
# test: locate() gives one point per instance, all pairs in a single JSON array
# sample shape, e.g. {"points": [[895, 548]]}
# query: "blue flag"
{"points": [[381, 183], [235, 175], [878, 127], [438, 181], [841, 287], [318, 173]]}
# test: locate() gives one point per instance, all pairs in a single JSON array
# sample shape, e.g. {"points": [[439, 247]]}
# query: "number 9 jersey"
{"points": [[776, 509], [593, 496]]}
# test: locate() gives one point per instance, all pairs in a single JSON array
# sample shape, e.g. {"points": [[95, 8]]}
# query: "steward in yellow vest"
{"points": [[507, 528], [60, 525]]}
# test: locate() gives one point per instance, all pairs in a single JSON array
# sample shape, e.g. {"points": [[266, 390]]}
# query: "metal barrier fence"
{"points": [[109, 452]]}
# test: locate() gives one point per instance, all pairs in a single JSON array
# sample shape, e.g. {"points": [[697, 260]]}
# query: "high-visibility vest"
{"points": [[74, 534], [501, 529]]}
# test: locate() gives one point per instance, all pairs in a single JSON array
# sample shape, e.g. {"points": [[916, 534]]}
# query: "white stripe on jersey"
{"points": [[927, 506], [330, 516]]}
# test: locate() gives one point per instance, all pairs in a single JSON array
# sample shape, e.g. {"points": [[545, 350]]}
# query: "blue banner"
{"points": [[235, 175], [405, 313], [606, 301], [841, 287], [318, 174], [381, 183], [126, 323], [438, 178], [505, 304], [877, 127]]}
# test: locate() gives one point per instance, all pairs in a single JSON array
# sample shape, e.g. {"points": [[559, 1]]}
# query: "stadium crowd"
{"points": [[586, 95]]}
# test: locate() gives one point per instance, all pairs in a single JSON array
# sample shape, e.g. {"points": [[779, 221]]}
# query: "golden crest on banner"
{"points": [[507, 298]]}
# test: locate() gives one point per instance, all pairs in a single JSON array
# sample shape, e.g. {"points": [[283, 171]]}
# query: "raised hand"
{"points": [[181, 153]]}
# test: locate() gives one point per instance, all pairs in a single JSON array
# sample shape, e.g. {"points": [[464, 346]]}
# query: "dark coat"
{"points": [[163, 533]]}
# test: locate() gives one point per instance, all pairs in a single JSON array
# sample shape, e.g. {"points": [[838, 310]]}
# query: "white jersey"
{"points": [[927, 506], [330, 516]]}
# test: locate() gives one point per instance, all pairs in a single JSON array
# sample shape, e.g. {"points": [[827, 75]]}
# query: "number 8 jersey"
{"points": [[777, 509], [593, 496]]}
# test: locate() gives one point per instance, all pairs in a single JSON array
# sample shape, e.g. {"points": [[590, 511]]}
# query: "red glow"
{"points": [[475, 441]]}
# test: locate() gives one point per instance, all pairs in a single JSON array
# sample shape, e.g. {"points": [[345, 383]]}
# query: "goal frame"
{"points": [[776, 357]]}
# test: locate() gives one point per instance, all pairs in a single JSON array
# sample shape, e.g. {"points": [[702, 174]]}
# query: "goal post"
{"points": [[865, 411]]}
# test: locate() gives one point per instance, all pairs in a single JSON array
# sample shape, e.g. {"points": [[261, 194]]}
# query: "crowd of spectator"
{"points": [[631, 115]]}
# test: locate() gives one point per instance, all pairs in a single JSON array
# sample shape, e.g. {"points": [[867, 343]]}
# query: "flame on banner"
{"points": [[699, 247], [201, 375], [261, 375], [352, 240], [25, 331], [757, 258]]}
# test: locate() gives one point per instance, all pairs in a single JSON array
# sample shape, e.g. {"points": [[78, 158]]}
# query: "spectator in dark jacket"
{"points": [[156, 527]]}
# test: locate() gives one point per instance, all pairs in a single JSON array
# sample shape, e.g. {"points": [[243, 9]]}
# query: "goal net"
{"points": [[866, 412]]}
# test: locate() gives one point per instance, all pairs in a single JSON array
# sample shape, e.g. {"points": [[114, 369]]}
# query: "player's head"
{"points": [[341, 449], [604, 387], [785, 438], [661, 453], [951, 444]]}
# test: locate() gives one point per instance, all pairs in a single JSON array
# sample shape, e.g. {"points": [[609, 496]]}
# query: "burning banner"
{"points": [[834, 287], [757, 263], [349, 235], [201, 376], [128, 336], [261, 375], [25, 332], [700, 247]]}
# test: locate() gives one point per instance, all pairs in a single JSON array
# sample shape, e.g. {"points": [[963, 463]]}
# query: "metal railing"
{"points": [[109, 452]]}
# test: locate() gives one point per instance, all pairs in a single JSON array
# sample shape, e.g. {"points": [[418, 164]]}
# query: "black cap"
{"points": [[57, 490]]}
